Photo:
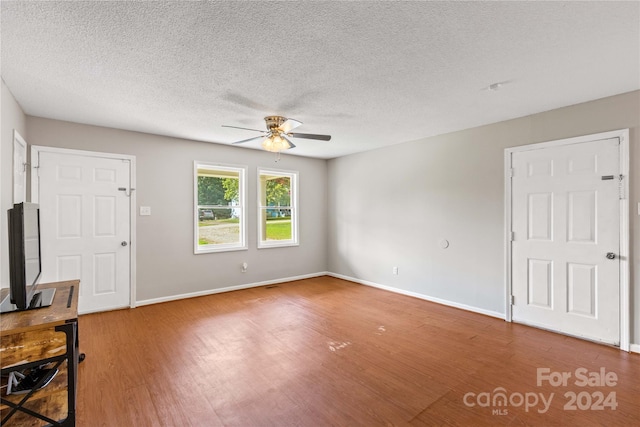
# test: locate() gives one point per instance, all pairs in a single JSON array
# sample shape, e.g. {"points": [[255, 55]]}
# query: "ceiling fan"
{"points": [[278, 135]]}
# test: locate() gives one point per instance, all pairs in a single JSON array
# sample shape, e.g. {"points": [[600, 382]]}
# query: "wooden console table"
{"points": [[35, 337]]}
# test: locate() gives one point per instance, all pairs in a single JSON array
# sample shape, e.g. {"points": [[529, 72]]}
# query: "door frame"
{"points": [[35, 194], [623, 137], [19, 174]]}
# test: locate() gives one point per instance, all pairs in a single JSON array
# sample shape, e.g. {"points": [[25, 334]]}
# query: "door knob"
{"points": [[125, 244], [611, 255]]}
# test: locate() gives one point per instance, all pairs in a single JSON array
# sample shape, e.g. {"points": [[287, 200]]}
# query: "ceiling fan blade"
{"points": [[236, 127], [310, 136], [286, 138], [247, 140], [289, 125]]}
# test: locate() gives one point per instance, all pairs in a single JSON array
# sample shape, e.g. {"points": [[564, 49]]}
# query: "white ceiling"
{"points": [[368, 73]]}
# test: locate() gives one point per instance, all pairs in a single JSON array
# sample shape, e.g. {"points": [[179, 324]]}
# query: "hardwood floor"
{"points": [[324, 351]]}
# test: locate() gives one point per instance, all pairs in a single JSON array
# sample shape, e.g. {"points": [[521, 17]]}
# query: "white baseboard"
{"points": [[227, 289], [104, 309], [420, 296], [634, 348]]}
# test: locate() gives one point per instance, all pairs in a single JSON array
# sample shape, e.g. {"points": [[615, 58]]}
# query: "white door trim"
{"points": [[19, 168], [35, 185], [623, 136]]}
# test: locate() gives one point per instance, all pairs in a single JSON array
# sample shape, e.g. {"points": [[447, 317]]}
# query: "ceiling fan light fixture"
{"points": [[275, 144], [278, 135]]}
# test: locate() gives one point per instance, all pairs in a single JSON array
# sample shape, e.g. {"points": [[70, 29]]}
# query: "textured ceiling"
{"points": [[369, 73]]}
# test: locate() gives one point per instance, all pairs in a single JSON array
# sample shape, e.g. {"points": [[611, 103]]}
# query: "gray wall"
{"points": [[390, 207], [12, 118], [166, 265]]}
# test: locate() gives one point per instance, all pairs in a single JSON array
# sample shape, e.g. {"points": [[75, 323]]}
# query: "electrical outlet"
{"points": [[395, 270], [145, 210], [244, 267]]}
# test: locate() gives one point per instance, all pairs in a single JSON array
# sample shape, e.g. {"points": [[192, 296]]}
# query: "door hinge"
{"points": [[513, 300], [510, 173], [512, 236]]}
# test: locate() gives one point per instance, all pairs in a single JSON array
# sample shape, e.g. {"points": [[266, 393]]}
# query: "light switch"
{"points": [[145, 210]]}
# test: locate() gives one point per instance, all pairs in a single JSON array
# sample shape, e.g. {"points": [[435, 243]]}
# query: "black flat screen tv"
{"points": [[25, 263]]}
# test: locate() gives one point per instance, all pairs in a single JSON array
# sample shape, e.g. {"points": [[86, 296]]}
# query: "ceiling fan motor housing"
{"points": [[274, 122]]}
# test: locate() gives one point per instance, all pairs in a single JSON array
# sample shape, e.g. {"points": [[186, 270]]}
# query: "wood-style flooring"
{"points": [[327, 352]]}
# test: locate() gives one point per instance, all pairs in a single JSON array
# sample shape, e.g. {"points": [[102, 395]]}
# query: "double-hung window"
{"points": [[277, 208], [219, 214]]}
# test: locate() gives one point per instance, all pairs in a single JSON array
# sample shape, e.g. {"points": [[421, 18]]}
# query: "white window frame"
{"points": [[294, 241], [242, 195]]}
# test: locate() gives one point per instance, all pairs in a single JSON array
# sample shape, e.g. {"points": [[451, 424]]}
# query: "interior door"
{"points": [[85, 223], [566, 239]]}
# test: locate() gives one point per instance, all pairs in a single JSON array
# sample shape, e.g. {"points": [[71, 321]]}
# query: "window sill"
{"points": [[282, 244], [220, 249]]}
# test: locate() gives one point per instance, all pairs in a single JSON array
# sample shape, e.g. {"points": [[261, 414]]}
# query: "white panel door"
{"points": [[565, 217], [86, 226]]}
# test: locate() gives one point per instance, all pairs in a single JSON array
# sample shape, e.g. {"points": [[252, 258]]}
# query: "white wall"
{"points": [[12, 118], [166, 265], [390, 207]]}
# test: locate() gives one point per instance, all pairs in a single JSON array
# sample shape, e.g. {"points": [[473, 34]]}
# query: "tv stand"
{"points": [[47, 336]]}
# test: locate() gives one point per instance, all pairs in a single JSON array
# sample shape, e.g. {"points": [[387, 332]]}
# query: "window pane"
{"points": [[217, 191], [278, 191], [277, 224], [219, 208], [218, 226]]}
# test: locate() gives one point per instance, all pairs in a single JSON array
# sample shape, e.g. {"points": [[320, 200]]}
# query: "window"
{"points": [[277, 208], [219, 208]]}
